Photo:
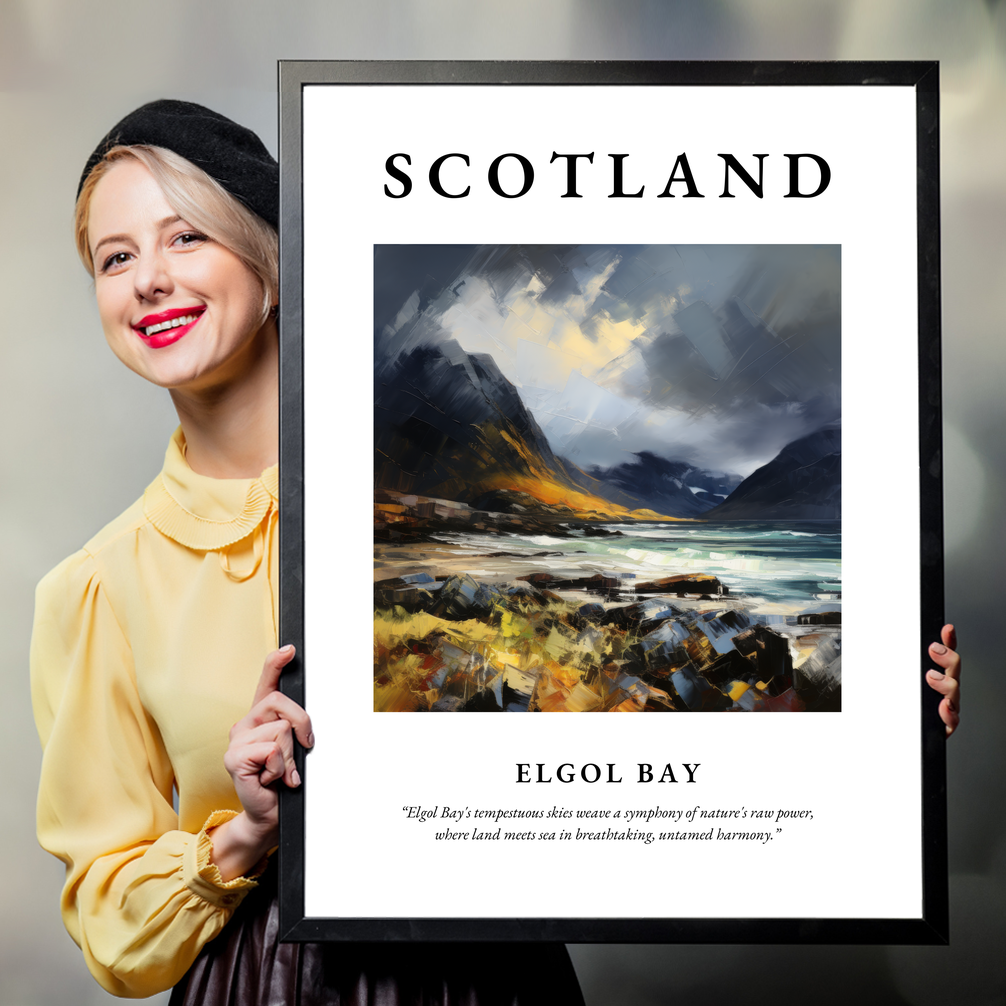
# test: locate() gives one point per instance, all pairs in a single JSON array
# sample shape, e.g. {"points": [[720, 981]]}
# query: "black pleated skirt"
{"points": [[246, 965]]}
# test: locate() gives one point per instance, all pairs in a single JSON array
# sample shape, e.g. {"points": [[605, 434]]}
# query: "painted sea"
{"points": [[796, 565]]}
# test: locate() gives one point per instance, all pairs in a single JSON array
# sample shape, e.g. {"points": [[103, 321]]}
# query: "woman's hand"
{"points": [[260, 753], [947, 682]]}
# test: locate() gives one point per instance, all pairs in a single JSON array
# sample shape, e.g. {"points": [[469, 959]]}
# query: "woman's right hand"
{"points": [[259, 754], [948, 681]]}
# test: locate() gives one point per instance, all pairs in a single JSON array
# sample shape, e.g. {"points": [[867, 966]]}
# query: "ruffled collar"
{"points": [[203, 513]]}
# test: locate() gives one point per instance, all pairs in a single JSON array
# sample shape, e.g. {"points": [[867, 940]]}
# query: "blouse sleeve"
{"points": [[141, 898]]}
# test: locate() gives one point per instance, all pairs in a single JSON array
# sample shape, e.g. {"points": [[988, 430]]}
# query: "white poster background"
{"points": [[858, 771]]}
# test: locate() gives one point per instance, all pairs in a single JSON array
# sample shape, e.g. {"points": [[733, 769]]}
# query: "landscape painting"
{"points": [[607, 478]]}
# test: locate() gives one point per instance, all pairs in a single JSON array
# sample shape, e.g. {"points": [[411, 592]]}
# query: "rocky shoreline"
{"points": [[542, 642], [401, 516]]}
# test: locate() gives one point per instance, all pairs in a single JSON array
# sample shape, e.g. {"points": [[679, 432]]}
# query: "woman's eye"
{"points": [[190, 238], [114, 261]]}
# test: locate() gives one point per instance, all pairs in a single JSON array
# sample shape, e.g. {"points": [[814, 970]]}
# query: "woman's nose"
{"points": [[152, 277]]}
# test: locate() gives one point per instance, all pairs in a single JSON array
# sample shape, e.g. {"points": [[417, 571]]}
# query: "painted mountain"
{"points": [[803, 482], [670, 487], [448, 424]]}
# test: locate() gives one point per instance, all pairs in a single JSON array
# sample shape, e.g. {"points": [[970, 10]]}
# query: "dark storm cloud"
{"points": [[732, 351]]}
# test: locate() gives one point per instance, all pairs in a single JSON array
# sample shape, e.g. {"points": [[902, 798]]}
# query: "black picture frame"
{"points": [[931, 925]]}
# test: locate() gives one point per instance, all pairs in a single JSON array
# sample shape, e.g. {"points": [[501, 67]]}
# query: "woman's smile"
{"points": [[167, 327]]}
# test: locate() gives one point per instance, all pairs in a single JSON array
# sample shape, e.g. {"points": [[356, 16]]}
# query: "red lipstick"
{"points": [[166, 325]]}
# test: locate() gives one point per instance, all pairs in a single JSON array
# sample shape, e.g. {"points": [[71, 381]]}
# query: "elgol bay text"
{"points": [[591, 773]]}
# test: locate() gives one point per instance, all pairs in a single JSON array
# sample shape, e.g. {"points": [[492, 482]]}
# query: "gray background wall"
{"points": [[82, 436]]}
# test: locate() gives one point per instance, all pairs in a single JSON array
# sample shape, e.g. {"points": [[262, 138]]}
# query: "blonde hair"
{"points": [[199, 200]]}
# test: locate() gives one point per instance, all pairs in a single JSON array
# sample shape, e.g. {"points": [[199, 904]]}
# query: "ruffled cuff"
{"points": [[202, 876]]}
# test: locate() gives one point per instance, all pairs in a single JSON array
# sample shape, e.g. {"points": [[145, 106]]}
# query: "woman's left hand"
{"points": [[948, 681]]}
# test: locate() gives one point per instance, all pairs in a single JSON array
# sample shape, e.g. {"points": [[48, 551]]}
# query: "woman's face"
{"points": [[177, 308]]}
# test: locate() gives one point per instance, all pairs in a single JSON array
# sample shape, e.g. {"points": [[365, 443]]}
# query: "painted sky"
{"points": [[719, 355]]}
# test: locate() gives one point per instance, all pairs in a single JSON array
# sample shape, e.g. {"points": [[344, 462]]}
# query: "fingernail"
{"points": [[310, 740], [287, 649], [938, 648], [936, 675], [295, 777]]}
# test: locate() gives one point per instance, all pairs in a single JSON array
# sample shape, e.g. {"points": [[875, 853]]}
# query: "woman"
{"points": [[149, 643]]}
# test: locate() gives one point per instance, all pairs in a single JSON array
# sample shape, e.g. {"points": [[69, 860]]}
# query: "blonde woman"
{"points": [[154, 660]]}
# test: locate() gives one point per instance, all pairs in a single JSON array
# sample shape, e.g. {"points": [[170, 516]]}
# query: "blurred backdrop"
{"points": [[82, 437]]}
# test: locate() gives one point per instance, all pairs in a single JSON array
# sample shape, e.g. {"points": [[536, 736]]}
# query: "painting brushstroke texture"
{"points": [[607, 478]]}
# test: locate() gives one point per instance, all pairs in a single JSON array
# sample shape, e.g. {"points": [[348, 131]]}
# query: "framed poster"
{"points": [[583, 343]]}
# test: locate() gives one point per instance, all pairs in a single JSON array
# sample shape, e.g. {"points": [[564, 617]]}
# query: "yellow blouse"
{"points": [[147, 647]]}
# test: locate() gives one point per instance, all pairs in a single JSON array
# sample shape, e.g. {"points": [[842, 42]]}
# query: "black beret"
{"points": [[231, 154]]}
